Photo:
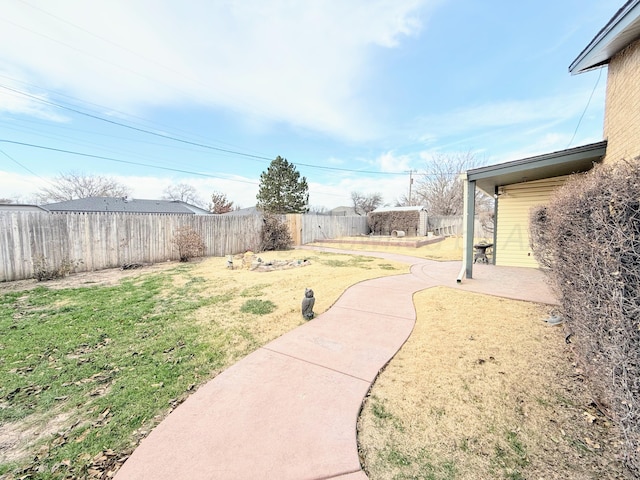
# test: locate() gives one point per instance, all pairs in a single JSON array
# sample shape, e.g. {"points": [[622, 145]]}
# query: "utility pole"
{"points": [[410, 185]]}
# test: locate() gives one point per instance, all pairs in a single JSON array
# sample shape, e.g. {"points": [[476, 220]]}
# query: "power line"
{"points": [[88, 54], [142, 130], [101, 157], [104, 39], [20, 164], [168, 137], [195, 80], [97, 105], [82, 141], [131, 127], [585, 108], [188, 142]]}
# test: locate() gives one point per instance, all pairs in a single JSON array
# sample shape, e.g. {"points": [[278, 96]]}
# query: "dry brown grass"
{"points": [[484, 389], [285, 288], [448, 249]]}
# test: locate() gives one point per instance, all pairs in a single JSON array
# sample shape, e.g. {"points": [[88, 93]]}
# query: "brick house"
{"points": [[617, 45], [519, 185]]}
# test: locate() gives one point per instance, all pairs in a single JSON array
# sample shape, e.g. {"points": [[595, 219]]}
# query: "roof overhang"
{"points": [[622, 30], [564, 162]]}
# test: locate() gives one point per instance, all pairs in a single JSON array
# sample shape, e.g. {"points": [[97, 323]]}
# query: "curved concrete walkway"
{"points": [[289, 410]]}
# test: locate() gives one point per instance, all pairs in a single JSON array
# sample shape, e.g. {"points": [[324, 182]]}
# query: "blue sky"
{"points": [[355, 93]]}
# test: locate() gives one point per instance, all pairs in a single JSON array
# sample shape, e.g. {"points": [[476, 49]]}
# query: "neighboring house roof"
{"points": [[343, 211], [622, 30], [563, 162], [400, 209], [20, 207], [127, 205], [245, 211]]}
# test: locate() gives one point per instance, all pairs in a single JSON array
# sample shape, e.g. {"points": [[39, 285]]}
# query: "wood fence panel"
{"points": [[107, 240], [323, 227], [452, 226]]}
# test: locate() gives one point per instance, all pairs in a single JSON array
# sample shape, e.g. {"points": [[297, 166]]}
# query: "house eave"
{"points": [[622, 30], [563, 162]]}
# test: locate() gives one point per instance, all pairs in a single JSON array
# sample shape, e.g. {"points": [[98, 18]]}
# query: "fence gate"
{"points": [[294, 222]]}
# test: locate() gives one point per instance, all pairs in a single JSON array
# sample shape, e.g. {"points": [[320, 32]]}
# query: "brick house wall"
{"points": [[622, 108]]}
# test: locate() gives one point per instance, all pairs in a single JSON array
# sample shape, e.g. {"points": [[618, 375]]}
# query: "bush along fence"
{"points": [[588, 238], [385, 222], [32, 242]]}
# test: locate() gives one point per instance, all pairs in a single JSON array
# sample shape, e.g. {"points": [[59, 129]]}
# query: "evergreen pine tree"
{"points": [[282, 190]]}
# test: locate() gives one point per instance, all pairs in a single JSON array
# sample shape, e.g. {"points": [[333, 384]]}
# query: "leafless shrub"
{"points": [[275, 234], [43, 271], [383, 223], [589, 239], [189, 243]]}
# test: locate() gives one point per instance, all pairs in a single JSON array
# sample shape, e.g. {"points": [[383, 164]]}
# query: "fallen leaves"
{"points": [[26, 391], [106, 463], [103, 465]]}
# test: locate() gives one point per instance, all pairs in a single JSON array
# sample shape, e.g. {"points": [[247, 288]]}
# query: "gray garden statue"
{"points": [[307, 304]]}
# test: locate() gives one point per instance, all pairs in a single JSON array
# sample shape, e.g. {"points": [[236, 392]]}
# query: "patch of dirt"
{"points": [[19, 438], [110, 276], [16, 438]]}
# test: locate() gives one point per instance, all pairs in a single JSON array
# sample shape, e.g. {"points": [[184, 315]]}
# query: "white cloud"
{"points": [[487, 118], [295, 62], [338, 193], [389, 162], [26, 103], [20, 188]]}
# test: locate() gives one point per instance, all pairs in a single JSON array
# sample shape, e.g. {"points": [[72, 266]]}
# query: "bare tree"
{"points": [[319, 210], [403, 201], [364, 204], [220, 203], [75, 185], [5, 201], [182, 192], [440, 188]]}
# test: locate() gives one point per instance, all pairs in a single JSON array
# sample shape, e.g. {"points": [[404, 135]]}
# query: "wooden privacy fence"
{"points": [[94, 241], [452, 226], [309, 228]]}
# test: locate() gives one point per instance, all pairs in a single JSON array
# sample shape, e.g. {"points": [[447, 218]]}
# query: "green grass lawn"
{"points": [[110, 357], [86, 372]]}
